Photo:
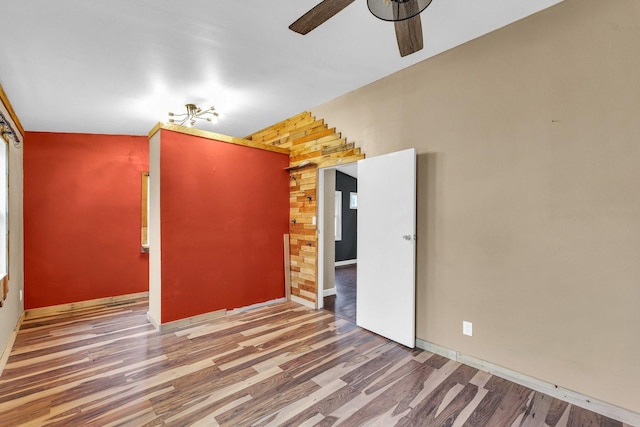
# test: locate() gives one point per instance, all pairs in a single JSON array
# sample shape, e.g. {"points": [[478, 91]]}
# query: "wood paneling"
{"points": [[308, 140], [278, 365]]}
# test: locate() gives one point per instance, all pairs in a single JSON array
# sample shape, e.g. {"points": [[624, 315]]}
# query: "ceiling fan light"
{"points": [[396, 10]]}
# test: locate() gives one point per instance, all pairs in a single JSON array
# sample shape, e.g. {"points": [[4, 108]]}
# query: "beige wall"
{"points": [[327, 230], [529, 192], [13, 308], [155, 243]]}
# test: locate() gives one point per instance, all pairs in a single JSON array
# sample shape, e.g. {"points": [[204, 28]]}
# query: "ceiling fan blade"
{"points": [[409, 35], [318, 15]]}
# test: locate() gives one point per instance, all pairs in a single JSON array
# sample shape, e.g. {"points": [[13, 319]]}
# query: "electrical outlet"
{"points": [[467, 328], [20, 294]]}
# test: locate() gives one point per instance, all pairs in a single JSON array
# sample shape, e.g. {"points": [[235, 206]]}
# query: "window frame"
{"points": [[337, 217]]}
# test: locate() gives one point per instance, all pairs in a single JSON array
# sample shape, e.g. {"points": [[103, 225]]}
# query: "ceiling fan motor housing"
{"points": [[396, 10]]}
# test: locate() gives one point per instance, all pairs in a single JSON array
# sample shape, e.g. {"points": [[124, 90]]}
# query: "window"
{"points": [[353, 200], [4, 220], [7, 136], [337, 218]]}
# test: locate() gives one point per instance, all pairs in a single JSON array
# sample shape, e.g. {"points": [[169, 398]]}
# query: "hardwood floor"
{"points": [[278, 365], [343, 304]]}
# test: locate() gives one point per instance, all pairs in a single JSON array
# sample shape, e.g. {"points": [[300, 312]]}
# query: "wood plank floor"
{"points": [[343, 303], [278, 365]]}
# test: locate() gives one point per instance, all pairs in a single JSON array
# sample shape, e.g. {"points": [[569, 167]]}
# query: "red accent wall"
{"points": [[224, 210], [82, 201]]}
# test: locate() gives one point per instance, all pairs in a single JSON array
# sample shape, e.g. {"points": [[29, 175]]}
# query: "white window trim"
{"points": [[338, 216]]}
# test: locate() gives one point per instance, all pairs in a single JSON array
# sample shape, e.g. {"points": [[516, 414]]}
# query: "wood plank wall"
{"points": [[308, 140]]}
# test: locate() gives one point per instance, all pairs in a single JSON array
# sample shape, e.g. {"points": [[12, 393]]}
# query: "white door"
{"points": [[386, 246]]}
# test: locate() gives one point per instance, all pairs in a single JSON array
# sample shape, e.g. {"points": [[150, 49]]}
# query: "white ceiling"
{"points": [[118, 66]]}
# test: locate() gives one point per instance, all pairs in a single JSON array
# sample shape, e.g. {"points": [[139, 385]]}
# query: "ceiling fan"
{"points": [[405, 14]]}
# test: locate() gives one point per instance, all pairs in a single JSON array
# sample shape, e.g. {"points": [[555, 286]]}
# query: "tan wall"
{"points": [[327, 231], [155, 242], [529, 192]]}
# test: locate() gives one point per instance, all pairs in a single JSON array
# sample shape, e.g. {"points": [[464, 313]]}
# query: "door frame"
{"points": [[320, 227]]}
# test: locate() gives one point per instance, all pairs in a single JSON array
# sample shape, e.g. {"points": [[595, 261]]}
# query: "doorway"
{"points": [[337, 251], [385, 282]]}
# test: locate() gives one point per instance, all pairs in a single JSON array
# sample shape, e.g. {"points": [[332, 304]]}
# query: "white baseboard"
{"points": [[607, 409], [152, 319], [303, 301], [328, 292], [12, 339], [346, 262]]}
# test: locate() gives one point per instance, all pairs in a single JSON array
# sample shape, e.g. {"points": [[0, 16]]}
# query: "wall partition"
{"points": [[219, 207]]}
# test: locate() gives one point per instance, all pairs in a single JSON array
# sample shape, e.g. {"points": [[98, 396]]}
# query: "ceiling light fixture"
{"points": [[396, 10], [194, 113]]}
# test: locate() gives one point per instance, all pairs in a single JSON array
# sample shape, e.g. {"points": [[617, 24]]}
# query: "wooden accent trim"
{"points": [[339, 161], [338, 148], [287, 268], [217, 137], [5, 100], [10, 342], [155, 129], [4, 288], [283, 124], [300, 165], [62, 308], [607, 409]]}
